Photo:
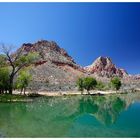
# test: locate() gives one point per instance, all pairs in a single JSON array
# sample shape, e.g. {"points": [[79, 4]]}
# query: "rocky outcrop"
{"points": [[49, 51], [104, 67], [56, 70]]}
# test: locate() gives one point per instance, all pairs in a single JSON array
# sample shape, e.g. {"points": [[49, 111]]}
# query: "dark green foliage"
{"points": [[89, 83], [116, 83], [16, 62], [4, 78], [23, 80]]}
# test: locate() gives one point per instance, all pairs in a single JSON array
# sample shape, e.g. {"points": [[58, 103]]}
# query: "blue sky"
{"points": [[85, 30]]}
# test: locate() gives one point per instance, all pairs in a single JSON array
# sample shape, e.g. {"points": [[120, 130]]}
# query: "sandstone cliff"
{"points": [[56, 70], [104, 67]]}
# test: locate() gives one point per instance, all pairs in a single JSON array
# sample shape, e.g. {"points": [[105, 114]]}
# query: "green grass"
{"points": [[14, 98]]}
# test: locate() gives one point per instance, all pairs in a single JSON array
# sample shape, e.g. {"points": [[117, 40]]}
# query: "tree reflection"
{"points": [[104, 109], [54, 116]]}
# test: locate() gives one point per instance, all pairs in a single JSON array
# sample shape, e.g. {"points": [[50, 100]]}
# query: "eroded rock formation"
{"points": [[56, 70]]}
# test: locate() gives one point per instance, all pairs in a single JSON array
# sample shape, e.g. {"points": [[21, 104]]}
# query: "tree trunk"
{"points": [[24, 90], [10, 89], [11, 84], [88, 92], [21, 90]]}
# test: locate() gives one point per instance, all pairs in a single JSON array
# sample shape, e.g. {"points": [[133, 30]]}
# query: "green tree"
{"points": [[116, 83], [17, 61], [89, 83], [23, 80], [80, 85], [4, 78], [2, 60]]}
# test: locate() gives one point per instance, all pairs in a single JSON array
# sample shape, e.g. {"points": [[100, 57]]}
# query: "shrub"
{"points": [[116, 83], [89, 83], [86, 83]]}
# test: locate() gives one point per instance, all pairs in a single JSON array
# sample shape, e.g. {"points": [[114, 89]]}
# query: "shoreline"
{"points": [[62, 93], [17, 97], [65, 93]]}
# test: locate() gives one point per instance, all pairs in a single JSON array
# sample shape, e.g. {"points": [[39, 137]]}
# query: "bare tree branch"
{"points": [[19, 68], [18, 54], [17, 61]]}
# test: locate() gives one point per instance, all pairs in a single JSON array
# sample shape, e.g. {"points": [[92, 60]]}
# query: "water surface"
{"points": [[72, 116]]}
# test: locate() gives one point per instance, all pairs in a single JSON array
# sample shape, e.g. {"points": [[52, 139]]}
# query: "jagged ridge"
{"points": [[54, 66], [57, 68], [104, 67]]}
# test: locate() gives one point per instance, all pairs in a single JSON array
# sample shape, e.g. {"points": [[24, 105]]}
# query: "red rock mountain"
{"points": [[48, 51], [56, 70], [54, 66], [104, 67]]}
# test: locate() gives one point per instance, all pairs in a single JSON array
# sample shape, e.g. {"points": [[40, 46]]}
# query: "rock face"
{"points": [[104, 67], [56, 70], [48, 51]]}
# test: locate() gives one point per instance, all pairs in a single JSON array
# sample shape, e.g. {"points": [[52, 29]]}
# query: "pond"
{"points": [[73, 116]]}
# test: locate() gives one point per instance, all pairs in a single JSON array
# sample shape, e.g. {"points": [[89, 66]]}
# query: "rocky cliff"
{"points": [[104, 67], [56, 70]]}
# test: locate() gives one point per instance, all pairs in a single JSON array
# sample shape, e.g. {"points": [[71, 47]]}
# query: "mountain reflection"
{"points": [[54, 116], [105, 110]]}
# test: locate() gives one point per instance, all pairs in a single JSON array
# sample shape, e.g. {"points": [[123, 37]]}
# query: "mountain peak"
{"points": [[56, 66], [104, 67], [48, 50], [102, 61]]}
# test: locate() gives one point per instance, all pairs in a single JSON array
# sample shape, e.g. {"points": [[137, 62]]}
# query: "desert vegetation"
{"points": [[90, 83], [116, 83], [86, 83]]}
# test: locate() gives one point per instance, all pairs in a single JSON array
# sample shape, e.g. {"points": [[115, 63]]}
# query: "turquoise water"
{"points": [[72, 116]]}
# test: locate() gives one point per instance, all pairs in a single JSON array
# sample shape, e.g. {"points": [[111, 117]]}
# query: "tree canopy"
{"points": [[4, 78], [87, 83], [23, 80], [116, 83], [16, 61]]}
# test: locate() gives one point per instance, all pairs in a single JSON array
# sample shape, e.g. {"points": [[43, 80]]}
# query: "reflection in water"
{"points": [[65, 116], [106, 110]]}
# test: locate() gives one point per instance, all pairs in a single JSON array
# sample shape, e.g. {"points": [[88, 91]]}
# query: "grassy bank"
{"points": [[14, 98]]}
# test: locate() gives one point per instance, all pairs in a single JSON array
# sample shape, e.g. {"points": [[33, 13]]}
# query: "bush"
{"points": [[116, 83], [4, 79], [86, 83]]}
